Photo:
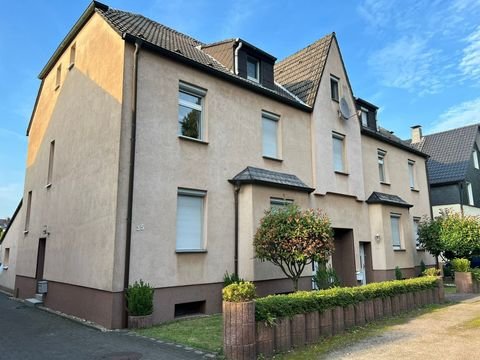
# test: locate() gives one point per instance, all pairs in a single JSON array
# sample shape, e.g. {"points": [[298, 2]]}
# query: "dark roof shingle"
{"points": [[450, 153], [253, 175], [388, 199]]}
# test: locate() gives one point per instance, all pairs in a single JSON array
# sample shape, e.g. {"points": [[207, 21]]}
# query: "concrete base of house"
{"points": [[107, 308], [386, 275]]}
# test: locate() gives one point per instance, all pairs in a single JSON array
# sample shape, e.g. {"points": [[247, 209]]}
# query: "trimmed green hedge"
{"points": [[269, 308]]}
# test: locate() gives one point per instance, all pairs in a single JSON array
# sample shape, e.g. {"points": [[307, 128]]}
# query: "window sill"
{"points": [[71, 66], [5, 267], [336, 100], [191, 251], [25, 232], [57, 87], [192, 139], [272, 158], [48, 186], [414, 190], [420, 249], [385, 183], [400, 250], [341, 173]]}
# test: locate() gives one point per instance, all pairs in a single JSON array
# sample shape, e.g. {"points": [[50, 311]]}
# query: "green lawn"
{"points": [[450, 289], [205, 332]]}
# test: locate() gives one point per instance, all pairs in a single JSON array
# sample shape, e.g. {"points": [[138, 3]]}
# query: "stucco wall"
{"points": [[77, 213], [165, 162], [13, 236]]}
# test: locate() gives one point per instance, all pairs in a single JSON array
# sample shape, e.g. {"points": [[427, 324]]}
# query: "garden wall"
{"points": [[295, 320]]}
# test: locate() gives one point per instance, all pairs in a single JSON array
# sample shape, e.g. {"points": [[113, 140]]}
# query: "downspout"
{"points": [[236, 192], [460, 189], [133, 130], [437, 264], [236, 55]]}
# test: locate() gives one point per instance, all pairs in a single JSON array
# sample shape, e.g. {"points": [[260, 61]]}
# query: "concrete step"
{"points": [[39, 297], [32, 302]]}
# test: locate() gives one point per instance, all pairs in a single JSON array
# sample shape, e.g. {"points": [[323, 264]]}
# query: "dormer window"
{"points": [[253, 69], [364, 117]]}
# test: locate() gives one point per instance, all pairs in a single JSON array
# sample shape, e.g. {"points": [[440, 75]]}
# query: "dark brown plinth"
{"points": [[140, 322], [378, 308], [312, 327], [387, 306], [369, 311], [403, 302], [360, 314], [326, 328], [265, 340], [395, 304], [239, 330], [298, 330], [338, 321], [349, 316], [282, 333]]}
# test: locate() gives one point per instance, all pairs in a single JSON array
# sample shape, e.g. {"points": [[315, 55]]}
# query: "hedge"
{"points": [[271, 307]]}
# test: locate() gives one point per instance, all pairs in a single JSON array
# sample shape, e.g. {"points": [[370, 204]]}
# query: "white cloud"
{"points": [[466, 113], [408, 64], [470, 63]]}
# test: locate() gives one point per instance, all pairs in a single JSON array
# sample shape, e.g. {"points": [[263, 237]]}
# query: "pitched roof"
{"points": [[253, 175], [11, 221], [388, 199], [301, 72], [450, 153]]}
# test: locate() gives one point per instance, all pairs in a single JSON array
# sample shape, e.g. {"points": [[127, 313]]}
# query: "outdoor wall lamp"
{"points": [[377, 238]]}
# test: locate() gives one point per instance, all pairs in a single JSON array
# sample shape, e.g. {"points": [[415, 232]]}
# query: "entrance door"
{"points": [[362, 273], [40, 258], [343, 258]]}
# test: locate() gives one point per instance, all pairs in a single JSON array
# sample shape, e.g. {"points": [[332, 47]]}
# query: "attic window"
{"points": [[73, 52], [334, 87], [253, 69], [364, 117], [58, 78]]}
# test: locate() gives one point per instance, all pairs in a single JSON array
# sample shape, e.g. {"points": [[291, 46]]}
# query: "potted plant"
{"points": [[139, 298], [463, 276]]}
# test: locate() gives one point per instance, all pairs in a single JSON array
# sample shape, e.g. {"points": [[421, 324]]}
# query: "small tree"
{"points": [[291, 239], [460, 235], [429, 236]]}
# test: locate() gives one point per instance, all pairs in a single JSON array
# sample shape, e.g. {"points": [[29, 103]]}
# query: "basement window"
{"points": [[190, 308]]}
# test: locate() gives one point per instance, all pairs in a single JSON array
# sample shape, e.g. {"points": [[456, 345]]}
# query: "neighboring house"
{"points": [[154, 156], [8, 251], [4, 223], [453, 168]]}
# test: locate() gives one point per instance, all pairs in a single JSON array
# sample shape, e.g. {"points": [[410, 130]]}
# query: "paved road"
{"points": [[31, 334]]}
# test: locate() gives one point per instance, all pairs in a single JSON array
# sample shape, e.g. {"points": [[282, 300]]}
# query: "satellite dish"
{"points": [[344, 111]]}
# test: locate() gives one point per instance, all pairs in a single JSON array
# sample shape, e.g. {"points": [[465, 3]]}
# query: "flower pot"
{"points": [[239, 330], [140, 322], [464, 282]]}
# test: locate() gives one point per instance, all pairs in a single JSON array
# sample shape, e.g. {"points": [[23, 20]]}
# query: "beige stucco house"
{"points": [[8, 251], [153, 156]]}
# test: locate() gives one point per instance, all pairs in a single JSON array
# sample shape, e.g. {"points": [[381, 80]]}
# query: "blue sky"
{"points": [[418, 60]]}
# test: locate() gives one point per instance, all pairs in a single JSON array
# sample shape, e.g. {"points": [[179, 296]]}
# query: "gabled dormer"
{"points": [[244, 59], [368, 113]]}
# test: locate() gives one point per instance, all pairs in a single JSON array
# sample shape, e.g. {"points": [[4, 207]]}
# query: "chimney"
{"points": [[416, 133]]}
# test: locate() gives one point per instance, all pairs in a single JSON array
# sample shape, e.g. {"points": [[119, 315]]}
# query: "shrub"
{"points": [[423, 267], [239, 292], [475, 273], [139, 299], [272, 307], [460, 265], [231, 279], [325, 277], [398, 273], [431, 272], [460, 234]]}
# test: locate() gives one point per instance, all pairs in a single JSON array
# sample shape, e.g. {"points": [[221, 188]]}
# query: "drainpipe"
{"points": [[128, 242], [236, 55], [236, 191], [460, 189]]}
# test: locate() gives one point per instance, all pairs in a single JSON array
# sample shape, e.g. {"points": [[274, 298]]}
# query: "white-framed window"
{"points": [[253, 69], [190, 220], [334, 87], [50, 163], [364, 116], [190, 111], [395, 228], [277, 203], [381, 165], [470, 194], [338, 141], [270, 138], [6, 258], [411, 173], [416, 222], [27, 212], [475, 159]]}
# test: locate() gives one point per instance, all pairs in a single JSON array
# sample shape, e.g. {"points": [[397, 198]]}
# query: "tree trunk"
{"points": [[295, 284]]}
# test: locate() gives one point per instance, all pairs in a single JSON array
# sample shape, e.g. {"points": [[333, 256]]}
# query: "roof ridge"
{"points": [[219, 42], [306, 47], [459, 128]]}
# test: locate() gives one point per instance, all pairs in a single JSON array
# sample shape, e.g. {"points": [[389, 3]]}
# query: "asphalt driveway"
{"points": [[31, 334]]}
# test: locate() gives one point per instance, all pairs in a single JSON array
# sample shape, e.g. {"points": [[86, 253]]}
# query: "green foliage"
{"points": [[460, 235], [431, 272], [460, 265], [291, 239], [398, 273], [272, 307], [475, 273], [139, 299], [325, 277], [429, 235], [231, 279], [423, 267], [239, 292]]}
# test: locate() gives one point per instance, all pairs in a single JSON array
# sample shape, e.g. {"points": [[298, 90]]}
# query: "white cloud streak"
{"points": [[466, 113], [470, 63]]}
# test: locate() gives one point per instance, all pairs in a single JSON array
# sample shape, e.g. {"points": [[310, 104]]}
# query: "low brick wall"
{"points": [[304, 329]]}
